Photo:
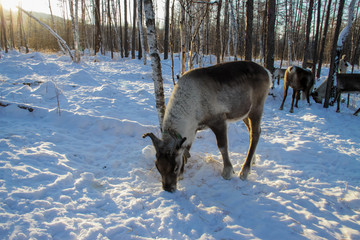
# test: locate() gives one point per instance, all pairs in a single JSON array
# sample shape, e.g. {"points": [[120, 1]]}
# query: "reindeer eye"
{"points": [[176, 169]]}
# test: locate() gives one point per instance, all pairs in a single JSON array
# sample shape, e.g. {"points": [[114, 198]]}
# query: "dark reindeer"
{"points": [[346, 83], [300, 80], [208, 98]]}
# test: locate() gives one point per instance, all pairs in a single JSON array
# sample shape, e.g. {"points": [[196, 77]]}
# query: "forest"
{"points": [[290, 30], [302, 29], [76, 102]]}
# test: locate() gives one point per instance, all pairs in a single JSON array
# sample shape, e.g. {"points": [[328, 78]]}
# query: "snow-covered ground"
{"points": [[76, 167]]}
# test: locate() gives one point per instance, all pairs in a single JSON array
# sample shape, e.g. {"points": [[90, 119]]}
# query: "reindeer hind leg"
{"points": [[254, 135], [286, 87]]}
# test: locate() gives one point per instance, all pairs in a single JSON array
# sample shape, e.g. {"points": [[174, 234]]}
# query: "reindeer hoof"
{"points": [[227, 173], [291, 111], [244, 173]]}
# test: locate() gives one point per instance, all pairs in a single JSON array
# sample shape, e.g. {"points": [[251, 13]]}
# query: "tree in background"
{"points": [[126, 31], [270, 37], [97, 36], [75, 27], [4, 43], [218, 34], [307, 36], [249, 29], [167, 25], [337, 48], [220, 28], [133, 38]]}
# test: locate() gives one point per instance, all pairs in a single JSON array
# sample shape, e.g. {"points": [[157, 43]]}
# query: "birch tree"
{"points": [[218, 34], [3, 30], [110, 34], [126, 31], [316, 40], [141, 28], [63, 42], [21, 33], [182, 38], [323, 40], [307, 36], [155, 60], [75, 27], [97, 41], [133, 37]]}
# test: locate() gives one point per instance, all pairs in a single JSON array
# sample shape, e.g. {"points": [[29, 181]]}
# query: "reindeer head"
{"points": [[169, 157]]}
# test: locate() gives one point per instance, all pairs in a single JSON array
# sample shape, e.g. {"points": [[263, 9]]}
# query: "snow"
{"points": [[76, 167]]}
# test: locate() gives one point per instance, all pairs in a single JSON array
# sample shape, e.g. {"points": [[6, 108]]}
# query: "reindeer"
{"points": [[346, 83], [278, 74], [209, 98], [300, 80]]}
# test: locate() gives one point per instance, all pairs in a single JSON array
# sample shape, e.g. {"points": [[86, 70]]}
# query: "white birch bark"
{"points": [[234, 28], [344, 33], [75, 27], [182, 38], [155, 60], [141, 29], [201, 44]]}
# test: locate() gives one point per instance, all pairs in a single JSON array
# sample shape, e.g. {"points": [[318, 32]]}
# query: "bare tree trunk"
{"points": [[166, 37], [97, 40], [235, 30], [3, 31], [270, 43], [133, 41], [21, 33], [126, 40], [317, 32], [54, 27], [51, 31], [225, 28], [155, 60], [110, 34], [307, 37], [249, 29], [218, 34], [290, 33], [323, 40], [141, 29], [338, 43], [120, 33], [75, 27], [12, 39], [172, 42], [182, 39]]}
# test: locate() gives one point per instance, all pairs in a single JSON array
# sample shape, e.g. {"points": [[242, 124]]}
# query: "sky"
{"points": [[43, 6], [33, 5]]}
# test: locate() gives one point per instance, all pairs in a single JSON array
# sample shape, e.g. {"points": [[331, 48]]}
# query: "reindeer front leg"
{"points": [[220, 130]]}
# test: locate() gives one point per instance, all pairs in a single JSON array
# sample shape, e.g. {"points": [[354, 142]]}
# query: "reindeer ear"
{"points": [[155, 140]]}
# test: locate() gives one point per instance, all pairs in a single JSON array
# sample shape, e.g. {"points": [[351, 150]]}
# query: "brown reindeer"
{"points": [[208, 98], [300, 80], [346, 83]]}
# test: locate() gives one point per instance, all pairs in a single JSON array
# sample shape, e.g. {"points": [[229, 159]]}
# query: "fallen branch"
{"points": [[30, 109], [60, 40]]}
